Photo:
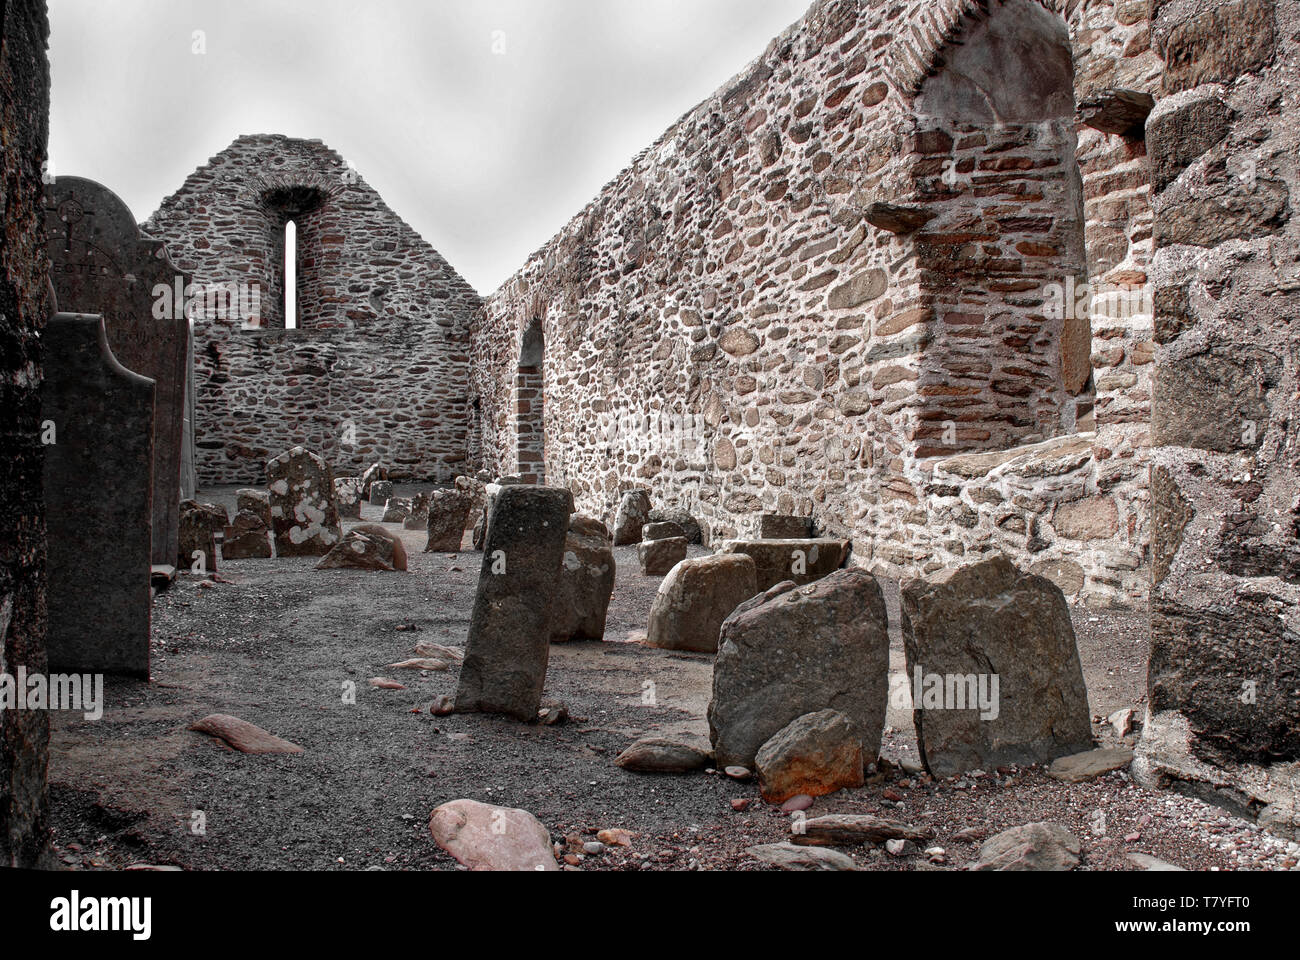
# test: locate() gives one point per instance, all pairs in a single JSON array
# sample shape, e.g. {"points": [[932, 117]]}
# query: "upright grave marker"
{"points": [[98, 487], [510, 630], [100, 264], [304, 508]]}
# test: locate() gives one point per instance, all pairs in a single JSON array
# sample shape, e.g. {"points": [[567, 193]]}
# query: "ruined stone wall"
{"points": [[377, 369], [736, 324], [24, 308], [1225, 150]]}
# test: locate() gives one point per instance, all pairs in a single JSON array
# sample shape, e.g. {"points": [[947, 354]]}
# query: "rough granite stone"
{"points": [[510, 629], [798, 650]]}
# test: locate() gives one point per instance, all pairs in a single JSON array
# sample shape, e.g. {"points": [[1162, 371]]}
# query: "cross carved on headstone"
{"points": [[70, 212]]}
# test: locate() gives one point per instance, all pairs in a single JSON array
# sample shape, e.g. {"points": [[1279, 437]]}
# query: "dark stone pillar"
{"points": [[25, 303], [510, 632]]}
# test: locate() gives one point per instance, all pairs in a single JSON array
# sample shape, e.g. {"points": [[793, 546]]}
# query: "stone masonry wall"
{"points": [[1225, 150], [735, 325], [25, 304], [377, 369]]}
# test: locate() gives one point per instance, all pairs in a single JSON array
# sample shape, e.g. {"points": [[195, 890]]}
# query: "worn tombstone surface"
{"points": [[510, 630], [965, 628], [200, 524], [100, 264], [304, 513], [798, 650], [98, 485]]}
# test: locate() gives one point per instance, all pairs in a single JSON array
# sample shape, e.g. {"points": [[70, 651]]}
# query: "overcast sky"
{"points": [[485, 124]]}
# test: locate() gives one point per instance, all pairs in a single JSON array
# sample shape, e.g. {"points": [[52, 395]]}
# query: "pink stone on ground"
{"points": [[243, 736], [488, 838]]}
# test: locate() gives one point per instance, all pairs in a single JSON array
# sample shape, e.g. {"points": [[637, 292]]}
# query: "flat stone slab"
{"points": [[787, 856], [1090, 765], [797, 561], [243, 736], [775, 526], [843, 830]]}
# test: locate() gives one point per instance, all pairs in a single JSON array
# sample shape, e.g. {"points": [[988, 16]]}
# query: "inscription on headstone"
{"points": [[98, 486], [100, 264]]}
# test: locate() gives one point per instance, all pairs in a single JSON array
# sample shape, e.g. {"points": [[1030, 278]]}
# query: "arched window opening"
{"points": [[290, 275]]}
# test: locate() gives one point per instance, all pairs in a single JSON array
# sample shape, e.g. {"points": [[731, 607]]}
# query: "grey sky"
{"points": [[487, 155]]}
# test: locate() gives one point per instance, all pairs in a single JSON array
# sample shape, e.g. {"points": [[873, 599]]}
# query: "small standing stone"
{"points": [[632, 516], [199, 525], [586, 582], [304, 514], [347, 491], [448, 511], [695, 600], [381, 491], [658, 557], [992, 653], [247, 538], [510, 629]]}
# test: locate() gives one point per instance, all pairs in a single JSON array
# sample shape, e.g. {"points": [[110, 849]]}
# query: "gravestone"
{"points": [[304, 511], [506, 655], [98, 484], [100, 264]]}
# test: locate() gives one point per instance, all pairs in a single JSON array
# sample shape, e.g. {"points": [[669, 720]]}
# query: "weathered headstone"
{"points": [[632, 516], [994, 669], [800, 561], [697, 598], [510, 629], [254, 501], [247, 538], [448, 512], [347, 492], [375, 472], [199, 525], [381, 491], [419, 516], [799, 650], [100, 264], [586, 582], [304, 514], [98, 483]]}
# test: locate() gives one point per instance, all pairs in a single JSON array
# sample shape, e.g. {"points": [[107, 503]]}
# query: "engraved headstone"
{"points": [[98, 485], [100, 264]]}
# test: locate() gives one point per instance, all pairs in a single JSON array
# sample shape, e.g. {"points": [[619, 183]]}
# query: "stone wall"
{"points": [[834, 275], [25, 305], [1225, 144], [377, 369]]}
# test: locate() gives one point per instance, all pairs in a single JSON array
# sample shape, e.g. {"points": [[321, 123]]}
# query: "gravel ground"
{"points": [[276, 643]]}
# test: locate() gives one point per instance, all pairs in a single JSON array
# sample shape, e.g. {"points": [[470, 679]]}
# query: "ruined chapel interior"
{"points": [[896, 467]]}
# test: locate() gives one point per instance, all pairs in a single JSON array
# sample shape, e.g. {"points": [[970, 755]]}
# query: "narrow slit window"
{"points": [[290, 276]]}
